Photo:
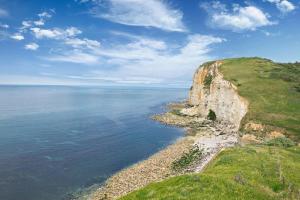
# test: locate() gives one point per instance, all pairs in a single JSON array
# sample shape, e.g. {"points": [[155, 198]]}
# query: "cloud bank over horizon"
{"points": [[134, 41]]}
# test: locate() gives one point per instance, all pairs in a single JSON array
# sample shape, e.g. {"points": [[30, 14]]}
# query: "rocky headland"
{"points": [[213, 117]]}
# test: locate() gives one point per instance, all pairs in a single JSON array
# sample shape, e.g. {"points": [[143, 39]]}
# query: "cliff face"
{"points": [[211, 92]]}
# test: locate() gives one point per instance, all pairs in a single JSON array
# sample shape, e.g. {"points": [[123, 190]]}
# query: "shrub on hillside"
{"points": [[211, 115], [281, 142], [187, 159]]}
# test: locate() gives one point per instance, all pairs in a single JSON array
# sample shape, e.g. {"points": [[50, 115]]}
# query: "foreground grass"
{"points": [[253, 172], [272, 89]]}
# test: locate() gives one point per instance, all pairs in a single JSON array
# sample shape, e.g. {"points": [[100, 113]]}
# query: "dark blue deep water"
{"points": [[55, 140]]}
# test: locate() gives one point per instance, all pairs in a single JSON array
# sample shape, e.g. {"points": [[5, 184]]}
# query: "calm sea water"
{"points": [[56, 140]]}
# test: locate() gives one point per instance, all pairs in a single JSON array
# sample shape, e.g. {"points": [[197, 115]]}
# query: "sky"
{"points": [[138, 42]]}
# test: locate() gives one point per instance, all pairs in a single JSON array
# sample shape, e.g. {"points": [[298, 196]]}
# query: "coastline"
{"points": [[155, 168], [211, 137]]}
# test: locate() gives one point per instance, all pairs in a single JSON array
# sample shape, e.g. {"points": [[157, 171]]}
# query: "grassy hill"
{"points": [[272, 89], [253, 171]]}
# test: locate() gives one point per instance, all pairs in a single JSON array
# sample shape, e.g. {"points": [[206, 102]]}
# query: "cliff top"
{"points": [[273, 92]]}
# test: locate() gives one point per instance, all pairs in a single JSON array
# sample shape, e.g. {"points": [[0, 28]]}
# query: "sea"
{"points": [[56, 141]]}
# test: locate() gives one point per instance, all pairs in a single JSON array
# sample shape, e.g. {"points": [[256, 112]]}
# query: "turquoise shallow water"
{"points": [[55, 140]]}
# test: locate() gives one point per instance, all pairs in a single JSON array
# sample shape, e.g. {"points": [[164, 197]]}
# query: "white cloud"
{"points": [[150, 13], [31, 46], [55, 33], [44, 15], [25, 25], [3, 13], [142, 41], [284, 6], [173, 64], [75, 57], [153, 44], [240, 18], [17, 36], [42, 18], [47, 33], [72, 31], [144, 60], [40, 22], [6, 26], [82, 43]]}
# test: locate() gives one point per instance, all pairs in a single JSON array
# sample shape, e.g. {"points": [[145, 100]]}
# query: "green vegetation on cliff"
{"points": [[272, 89], [252, 172], [267, 171]]}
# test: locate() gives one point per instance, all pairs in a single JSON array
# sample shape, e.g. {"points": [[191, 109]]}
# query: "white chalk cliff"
{"points": [[210, 91]]}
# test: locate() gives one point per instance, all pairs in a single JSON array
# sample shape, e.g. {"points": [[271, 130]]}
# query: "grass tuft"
{"points": [[187, 159], [281, 142]]}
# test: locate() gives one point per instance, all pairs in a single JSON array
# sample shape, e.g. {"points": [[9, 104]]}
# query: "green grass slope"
{"points": [[253, 172], [272, 89]]}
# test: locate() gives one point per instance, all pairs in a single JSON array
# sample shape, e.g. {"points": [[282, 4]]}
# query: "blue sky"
{"points": [[138, 42]]}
